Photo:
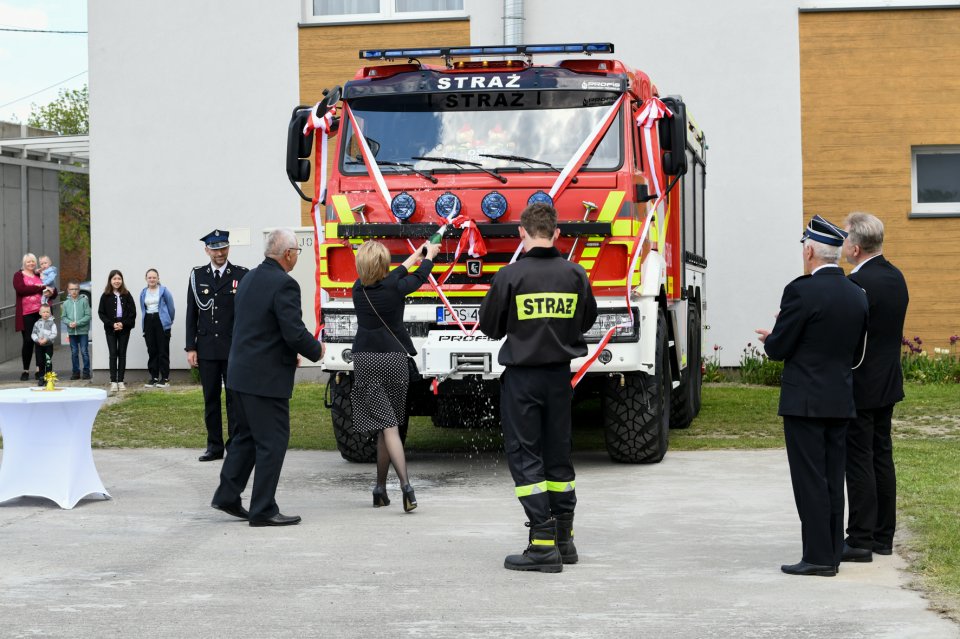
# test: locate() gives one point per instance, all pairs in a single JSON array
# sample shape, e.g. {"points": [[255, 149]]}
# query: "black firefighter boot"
{"points": [[542, 554], [568, 552]]}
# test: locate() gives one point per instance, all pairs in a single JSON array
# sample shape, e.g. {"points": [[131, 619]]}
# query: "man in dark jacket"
{"points": [[818, 334], [877, 386], [210, 296], [543, 305], [268, 335]]}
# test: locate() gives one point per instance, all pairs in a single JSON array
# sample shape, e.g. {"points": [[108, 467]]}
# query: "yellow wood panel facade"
{"points": [[874, 84], [328, 56]]}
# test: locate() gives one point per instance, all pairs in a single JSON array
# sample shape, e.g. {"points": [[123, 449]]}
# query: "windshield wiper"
{"points": [[460, 163], [527, 161], [422, 174]]}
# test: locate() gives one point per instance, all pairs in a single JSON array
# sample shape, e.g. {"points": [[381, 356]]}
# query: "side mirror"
{"points": [[673, 137], [332, 96], [299, 145]]}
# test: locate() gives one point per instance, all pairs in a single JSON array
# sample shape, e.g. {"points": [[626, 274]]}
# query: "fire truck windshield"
{"points": [[500, 139]]}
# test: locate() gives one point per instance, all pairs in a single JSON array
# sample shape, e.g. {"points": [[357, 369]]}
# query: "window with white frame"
{"points": [[936, 180], [325, 11]]}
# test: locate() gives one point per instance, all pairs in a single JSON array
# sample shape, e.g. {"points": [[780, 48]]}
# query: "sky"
{"points": [[32, 62]]}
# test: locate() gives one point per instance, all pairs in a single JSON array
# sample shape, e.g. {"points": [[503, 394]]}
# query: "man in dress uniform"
{"points": [[877, 386], [210, 295], [819, 335], [543, 305]]}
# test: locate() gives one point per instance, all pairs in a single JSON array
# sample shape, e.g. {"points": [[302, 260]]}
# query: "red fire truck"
{"points": [[466, 145]]}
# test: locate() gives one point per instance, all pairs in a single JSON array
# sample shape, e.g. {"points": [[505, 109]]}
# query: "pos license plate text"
{"points": [[466, 314]]}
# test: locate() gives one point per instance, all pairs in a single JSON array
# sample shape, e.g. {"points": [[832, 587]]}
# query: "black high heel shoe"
{"points": [[380, 497], [409, 499]]}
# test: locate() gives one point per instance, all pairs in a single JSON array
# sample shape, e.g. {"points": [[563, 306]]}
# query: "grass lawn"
{"points": [[927, 449]]}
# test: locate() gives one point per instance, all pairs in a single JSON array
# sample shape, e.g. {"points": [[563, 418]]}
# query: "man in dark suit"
{"points": [[818, 335], [210, 294], [877, 386], [268, 336]]}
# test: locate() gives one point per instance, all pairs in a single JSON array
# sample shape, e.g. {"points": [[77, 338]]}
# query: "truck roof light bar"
{"points": [[527, 50]]}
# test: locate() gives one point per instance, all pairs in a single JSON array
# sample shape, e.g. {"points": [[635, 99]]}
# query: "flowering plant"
{"points": [[757, 368], [711, 366], [918, 366]]}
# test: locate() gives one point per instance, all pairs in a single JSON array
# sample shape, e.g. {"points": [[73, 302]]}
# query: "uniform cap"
{"points": [[216, 239], [820, 230]]}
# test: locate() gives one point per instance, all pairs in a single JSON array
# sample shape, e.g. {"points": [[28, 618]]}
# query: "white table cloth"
{"points": [[46, 444]]}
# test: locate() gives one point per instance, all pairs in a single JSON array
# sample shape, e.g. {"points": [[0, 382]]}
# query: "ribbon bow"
{"points": [[322, 123], [470, 238], [653, 111]]}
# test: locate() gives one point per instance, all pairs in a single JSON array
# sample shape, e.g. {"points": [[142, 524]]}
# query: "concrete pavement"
{"points": [[687, 548]]}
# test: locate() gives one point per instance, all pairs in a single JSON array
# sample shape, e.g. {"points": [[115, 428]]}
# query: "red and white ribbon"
{"points": [[651, 112], [322, 123], [470, 230], [470, 239], [370, 162], [638, 244], [575, 162], [443, 298]]}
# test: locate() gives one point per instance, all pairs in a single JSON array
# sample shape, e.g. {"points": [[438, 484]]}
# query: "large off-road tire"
{"points": [[467, 411], [685, 400], [636, 416], [353, 446]]}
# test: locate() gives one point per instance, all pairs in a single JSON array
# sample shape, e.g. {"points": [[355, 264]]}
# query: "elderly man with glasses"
{"points": [[268, 338]]}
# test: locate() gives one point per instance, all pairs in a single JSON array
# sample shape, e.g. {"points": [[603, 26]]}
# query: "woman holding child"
{"points": [[29, 290]]}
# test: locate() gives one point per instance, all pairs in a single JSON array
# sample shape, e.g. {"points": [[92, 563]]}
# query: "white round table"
{"points": [[46, 444]]}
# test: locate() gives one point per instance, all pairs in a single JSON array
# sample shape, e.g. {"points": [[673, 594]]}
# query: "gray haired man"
{"points": [[877, 386]]}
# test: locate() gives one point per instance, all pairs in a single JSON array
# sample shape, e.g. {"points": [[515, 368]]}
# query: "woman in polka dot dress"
{"points": [[380, 352]]}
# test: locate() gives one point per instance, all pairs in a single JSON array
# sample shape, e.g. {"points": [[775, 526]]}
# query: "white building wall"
{"points": [[189, 104], [737, 66]]}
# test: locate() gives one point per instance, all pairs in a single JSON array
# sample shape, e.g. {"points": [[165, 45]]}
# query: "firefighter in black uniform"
{"points": [[543, 304], [210, 295]]}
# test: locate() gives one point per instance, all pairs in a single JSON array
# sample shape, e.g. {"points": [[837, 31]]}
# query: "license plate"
{"points": [[466, 314]]}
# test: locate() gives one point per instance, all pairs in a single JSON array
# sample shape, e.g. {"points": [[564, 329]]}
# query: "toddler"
{"points": [[44, 334], [48, 274]]}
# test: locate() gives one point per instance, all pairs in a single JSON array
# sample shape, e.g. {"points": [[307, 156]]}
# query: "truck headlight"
{"points": [[340, 327], [606, 321]]}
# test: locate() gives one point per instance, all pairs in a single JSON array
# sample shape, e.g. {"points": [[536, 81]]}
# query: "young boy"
{"points": [[76, 317], [48, 274], [44, 334]]}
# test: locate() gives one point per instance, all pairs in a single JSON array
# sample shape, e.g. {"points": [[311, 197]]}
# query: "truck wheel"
{"points": [[463, 411], [636, 416], [685, 399], [353, 446]]}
